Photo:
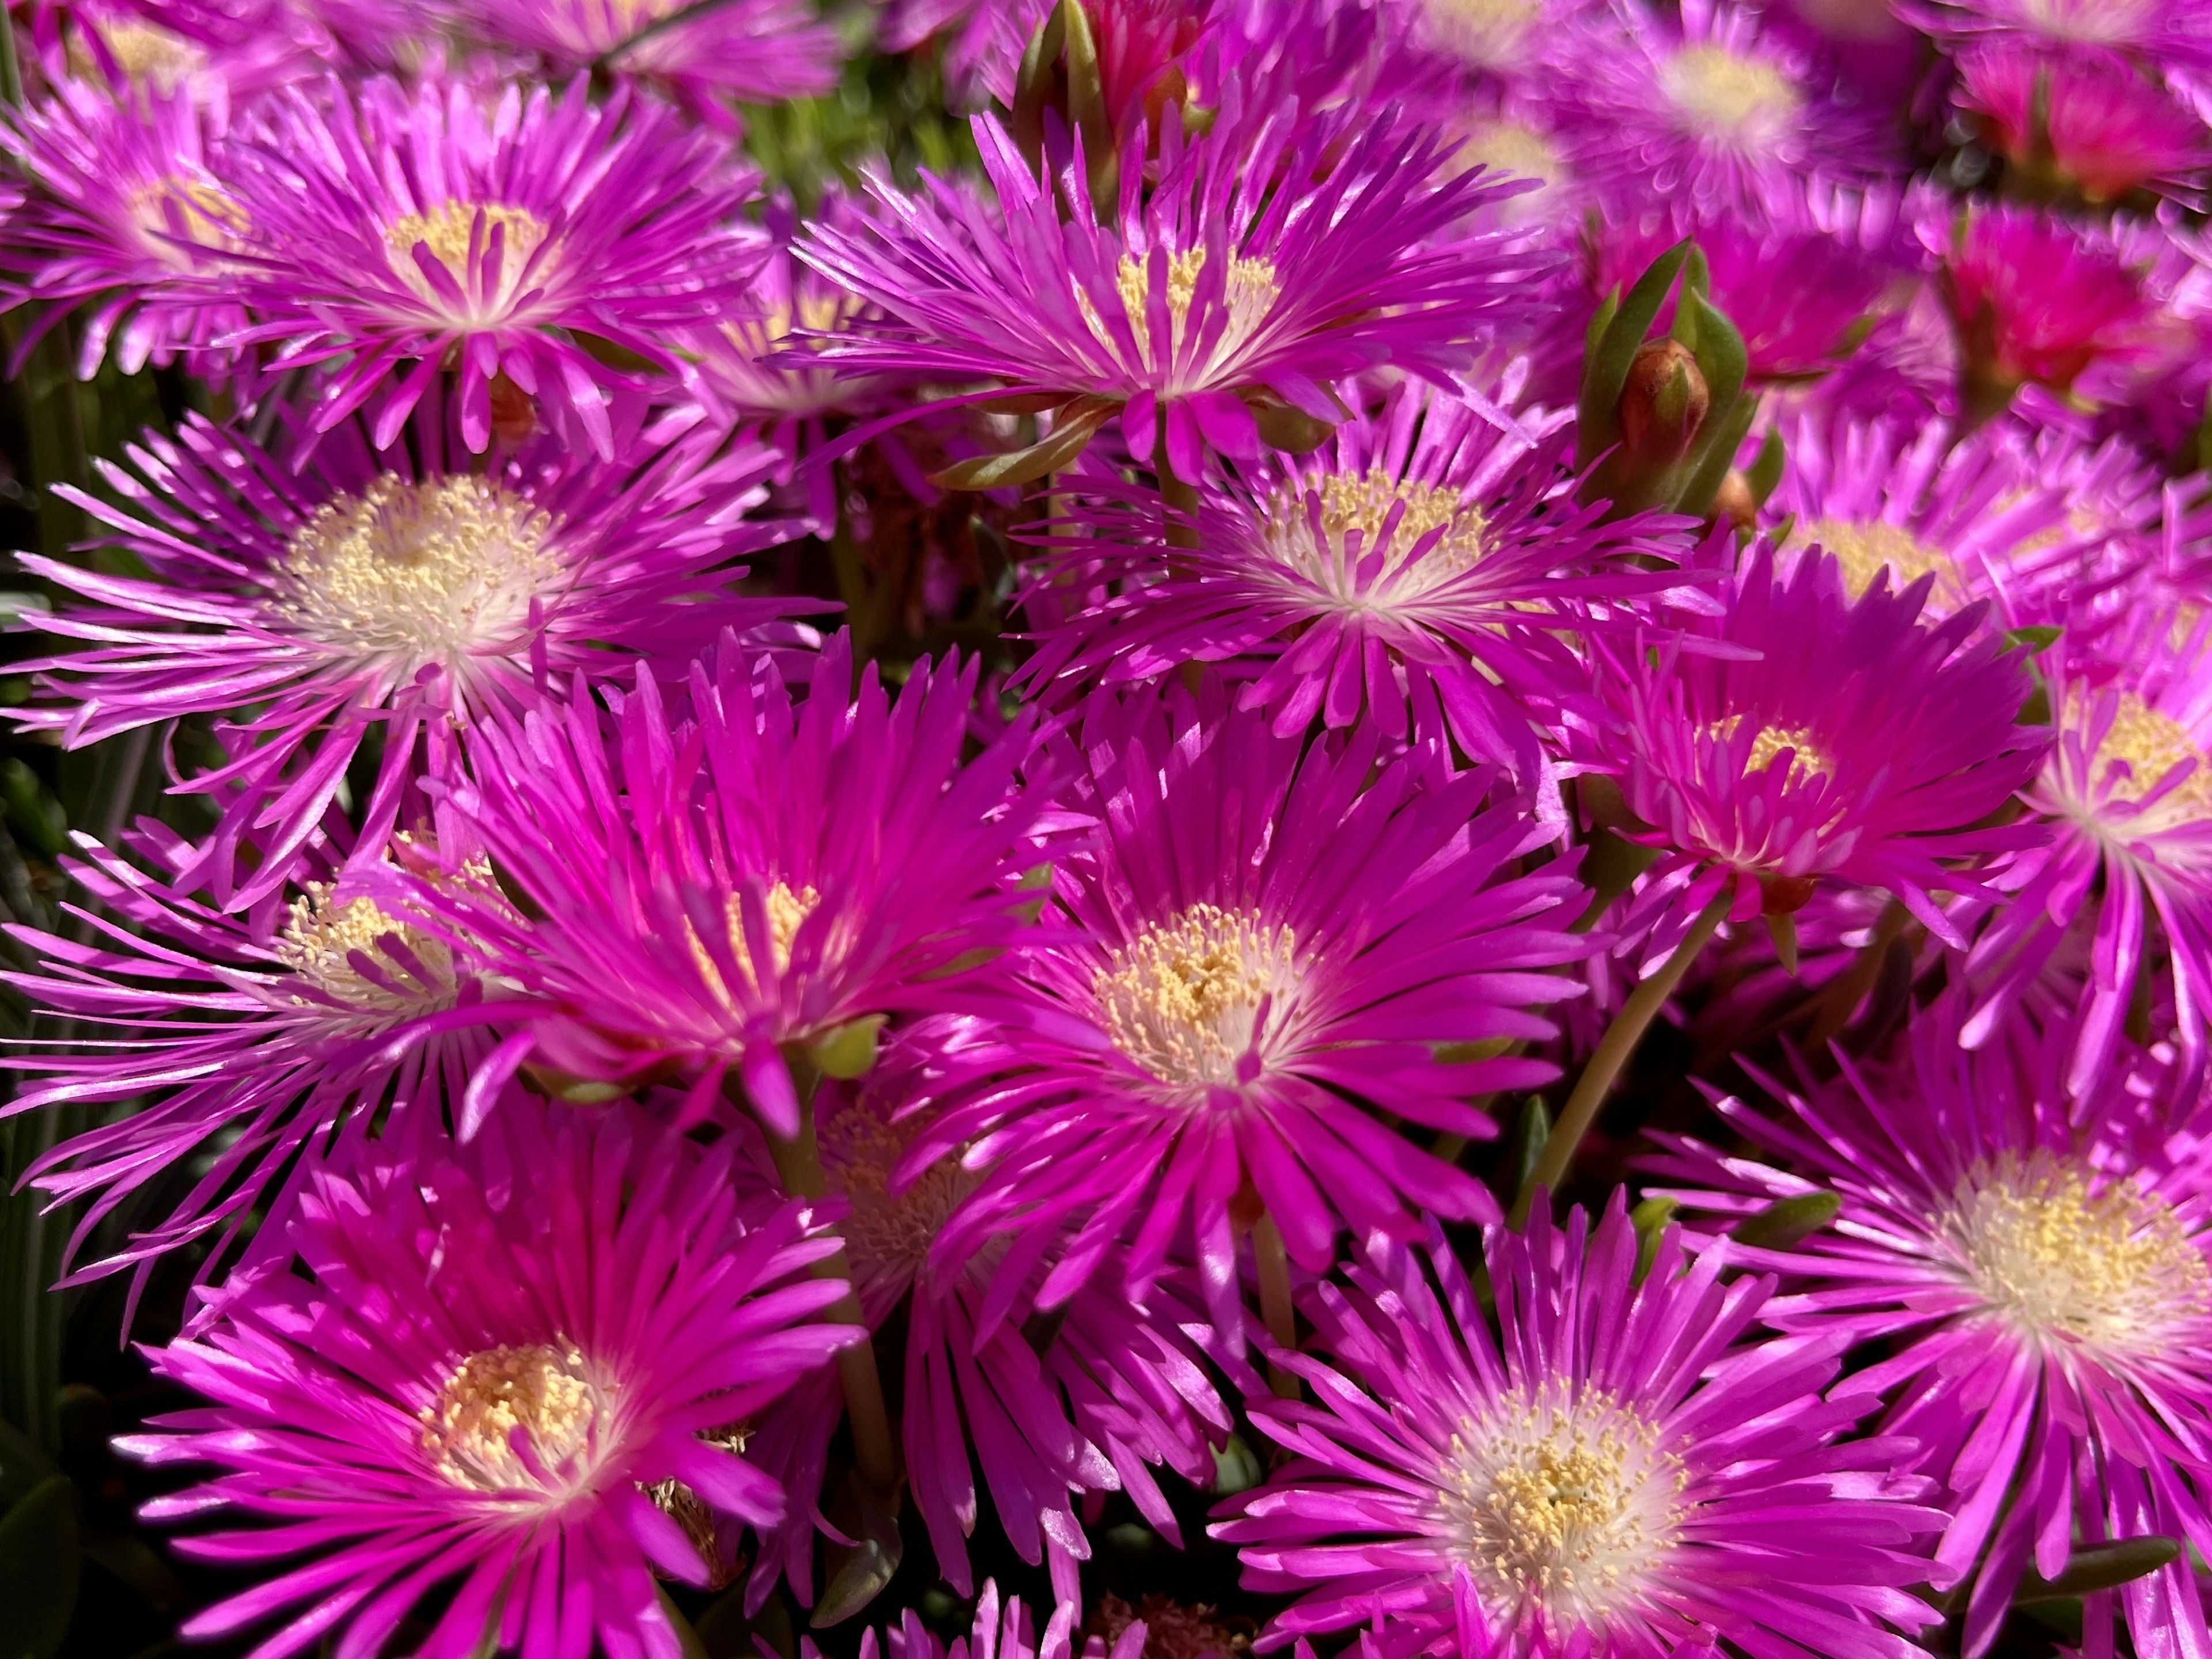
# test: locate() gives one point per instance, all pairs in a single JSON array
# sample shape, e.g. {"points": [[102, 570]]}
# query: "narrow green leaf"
{"points": [[1728, 433], [40, 1565], [1787, 1221], [1068, 439], [1529, 1142], [2100, 1567], [1649, 1218], [2035, 639], [1605, 370], [1722, 357], [858, 1571], [1766, 467]]}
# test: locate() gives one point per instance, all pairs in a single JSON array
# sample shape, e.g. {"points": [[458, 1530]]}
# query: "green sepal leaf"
{"points": [[1605, 368], [1290, 429], [1787, 1221], [1765, 473], [1033, 85], [1649, 1218], [1235, 1468], [1070, 435], [2035, 638], [2100, 1567], [40, 1566], [858, 1571], [1717, 453], [849, 1051], [1528, 1140]]}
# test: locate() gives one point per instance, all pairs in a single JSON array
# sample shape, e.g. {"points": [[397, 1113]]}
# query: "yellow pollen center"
{"points": [[1363, 501], [1565, 1503], [2152, 744], [544, 1390], [1249, 294], [1723, 96], [322, 938], [409, 574], [1510, 147], [1864, 551], [2056, 1255], [147, 53], [194, 209], [1488, 33], [1182, 999], [448, 230], [887, 1236], [788, 909], [1807, 759]]}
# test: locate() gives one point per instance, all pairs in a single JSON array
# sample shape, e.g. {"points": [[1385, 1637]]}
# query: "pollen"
{"points": [[1488, 33], [149, 55], [458, 235], [195, 210], [1182, 999], [543, 1395], [1562, 1502], [887, 1235], [1515, 147], [346, 951], [1865, 549], [1807, 759], [405, 576], [2060, 1254], [1723, 96], [1438, 536], [788, 909], [2152, 744], [1248, 294]]}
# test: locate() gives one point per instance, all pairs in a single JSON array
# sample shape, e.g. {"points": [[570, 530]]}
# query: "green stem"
{"points": [[875, 1450], [1614, 1050], [1275, 1306], [1180, 496], [1835, 1005]]}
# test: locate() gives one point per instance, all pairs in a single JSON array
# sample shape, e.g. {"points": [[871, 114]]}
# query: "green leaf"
{"points": [[858, 1571], [1787, 1221], [1528, 1142], [1235, 1468], [1764, 475], [40, 1565], [1724, 361], [1079, 422], [2100, 1567], [849, 1051], [1718, 453], [1605, 368], [2035, 639], [1649, 1218]]}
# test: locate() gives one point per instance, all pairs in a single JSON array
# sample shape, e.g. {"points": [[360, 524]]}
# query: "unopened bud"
{"points": [[1783, 895], [1663, 403], [1733, 501]]}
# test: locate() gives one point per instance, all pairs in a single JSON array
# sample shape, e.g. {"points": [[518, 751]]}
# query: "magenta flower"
{"points": [[1001, 1631], [1715, 110], [821, 863], [2037, 1283], [369, 594], [245, 1037], [2164, 34], [1120, 1389], [759, 51], [1255, 270], [1617, 1472], [537, 1387], [1413, 573], [2036, 300], [1987, 516], [2087, 120], [2126, 799], [1804, 736], [1262, 946], [417, 232], [129, 204]]}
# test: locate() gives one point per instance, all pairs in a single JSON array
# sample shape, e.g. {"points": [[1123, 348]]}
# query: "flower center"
{"points": [[147, 53], [409, 574], [459, 236], [1512, 147], [171, 211], [359, 957], [509, 1417], [1249, 294], [2090, 22], [1864, 551], [1364, 501], [1563, 1502], [887, 1235], [1182, 999], [2055, 1255], [1723, 96], [1807, 759], [2150, 745], [1488, 33]]}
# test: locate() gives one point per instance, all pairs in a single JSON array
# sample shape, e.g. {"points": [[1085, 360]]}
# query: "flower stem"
{"points": [[1275, 1307], [1618, 1042], [1835, 1005], [875, 1450]]}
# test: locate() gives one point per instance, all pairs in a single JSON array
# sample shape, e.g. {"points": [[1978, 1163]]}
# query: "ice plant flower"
{"points": [[1714, 110], [759, 51], [1118, 1390], [2126, 797], [2088, 121], [130, 203], [1804, 736], [715, 884], [1984, 517], [1253, 272], [2039, 1282], [1411, 573], [1002, 1630], [245, 1037], [398, 236], [2163, 33], [369, 594], [1620, 1469], [517, 1384], [2035, 300], [1264, 943]]}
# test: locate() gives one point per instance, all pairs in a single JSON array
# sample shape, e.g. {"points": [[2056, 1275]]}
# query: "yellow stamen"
{"points": [[1865, 549], [545, 1390], [1182, 998], [322, 936], [447, 231], [1723, 96]]}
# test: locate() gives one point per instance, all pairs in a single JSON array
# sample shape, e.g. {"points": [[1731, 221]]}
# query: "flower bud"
{"points": [[1663, 403], [1734, 502]]}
